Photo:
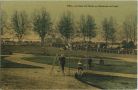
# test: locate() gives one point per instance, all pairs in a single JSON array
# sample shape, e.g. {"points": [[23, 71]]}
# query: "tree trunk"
{"points": [[19, 38], [2, 31], [112, 43], [42, 41], [88, 47], [106, 42], [135, 35], [84, 39]]}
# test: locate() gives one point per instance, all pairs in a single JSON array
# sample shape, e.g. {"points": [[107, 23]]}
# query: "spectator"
{"points": [[89, 62], [80, 68], [62, 62], [101, 61]]}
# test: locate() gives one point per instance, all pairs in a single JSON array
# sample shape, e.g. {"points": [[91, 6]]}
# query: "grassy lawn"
{"points": [[109, 82], [111, 65], [9, 64]]}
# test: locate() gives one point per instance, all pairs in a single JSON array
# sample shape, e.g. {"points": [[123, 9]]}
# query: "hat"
{"points": [[79, 62]]}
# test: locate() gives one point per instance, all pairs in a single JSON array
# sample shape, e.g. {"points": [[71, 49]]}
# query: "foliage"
{"points": [[124, 44], [66, 25], [3, 19], [83, 26], [88, 26], [130, 28], [42, 24], [131, 45], [108, 26], [112, 29], [128, 45], [19, 21]]}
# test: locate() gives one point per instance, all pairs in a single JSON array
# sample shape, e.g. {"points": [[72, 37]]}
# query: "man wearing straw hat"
{"points": [[80, 68]]}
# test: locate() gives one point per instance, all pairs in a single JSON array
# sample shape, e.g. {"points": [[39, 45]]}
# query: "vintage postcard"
{"points": [[68, 44]]}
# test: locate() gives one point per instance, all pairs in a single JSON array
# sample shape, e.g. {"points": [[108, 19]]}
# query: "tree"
{"points": [[124, 44], [19, 22], [105, 27], [134, 28], [88, 26], [109, 29], [126, 30], [112, 30], [130, 28], [2, 21], [131, 45], [83, 26], [42, 24], [66, 26], [128, 45]]}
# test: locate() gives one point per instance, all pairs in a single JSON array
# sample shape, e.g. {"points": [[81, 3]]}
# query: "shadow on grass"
{"points": [[9, 64], [110, 65], [107, 82], [89, 83]]}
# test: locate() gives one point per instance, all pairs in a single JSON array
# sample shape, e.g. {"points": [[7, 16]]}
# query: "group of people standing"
{"points": [[80, 64]]}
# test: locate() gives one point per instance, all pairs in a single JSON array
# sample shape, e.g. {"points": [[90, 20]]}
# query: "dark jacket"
{"points": [[62, 60]]}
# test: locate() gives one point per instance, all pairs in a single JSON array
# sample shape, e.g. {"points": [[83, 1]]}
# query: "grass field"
{"points": [[111, 65], [109, 82], [101, 81], [9, 64]]}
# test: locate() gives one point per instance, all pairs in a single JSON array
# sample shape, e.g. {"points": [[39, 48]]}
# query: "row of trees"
{"points": [[42, 24]]}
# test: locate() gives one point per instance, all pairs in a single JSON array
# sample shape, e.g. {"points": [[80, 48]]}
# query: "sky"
{"points": [[119, 10]]}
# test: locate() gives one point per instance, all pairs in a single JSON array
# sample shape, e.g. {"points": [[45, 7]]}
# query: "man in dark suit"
{"points": [[62, 62]]}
